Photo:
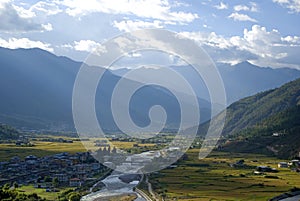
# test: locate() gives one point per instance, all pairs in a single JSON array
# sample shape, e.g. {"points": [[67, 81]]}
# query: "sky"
{"points": [[265, 33]]}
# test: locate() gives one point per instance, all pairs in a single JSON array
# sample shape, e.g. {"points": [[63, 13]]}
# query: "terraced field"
{"points": [[214, 179]]}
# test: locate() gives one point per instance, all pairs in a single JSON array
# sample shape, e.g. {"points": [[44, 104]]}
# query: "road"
{"points": [[150, 189], [144, 195]]}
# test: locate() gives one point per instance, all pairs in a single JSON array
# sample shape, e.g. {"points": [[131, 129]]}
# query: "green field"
{"points": [[40, 149], [213, 179], [209, 179], [41, 192], [129, 197]]}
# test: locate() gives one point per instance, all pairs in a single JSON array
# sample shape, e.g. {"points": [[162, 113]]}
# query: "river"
{"points": [[114, 186]]}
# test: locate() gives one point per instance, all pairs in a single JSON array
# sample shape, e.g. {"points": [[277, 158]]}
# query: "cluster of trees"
{"points": [[252, 111], [252, 121], [9, 193], [8, 133], [69, 195], [258, 138]]}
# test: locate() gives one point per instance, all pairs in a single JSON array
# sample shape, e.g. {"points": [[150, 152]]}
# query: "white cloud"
{"points": [[208, 39], [293, 5], [130, 25], [292, 39], [47, 27], [241, 7], [241, 17], [179, 4], [86, 46], [258, 45], [46, 7], [3, 2], [252, 7], [23, 12], [18, 19], [15, 43], [258, 41], [221, 6], [154, 9], [134, 55]]}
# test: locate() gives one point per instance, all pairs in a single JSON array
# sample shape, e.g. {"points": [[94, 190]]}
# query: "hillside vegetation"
{"points": [[8, 133], [268, 122], [255, 109]]}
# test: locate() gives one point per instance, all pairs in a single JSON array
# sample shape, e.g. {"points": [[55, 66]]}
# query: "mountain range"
{"points": [[36, 94], [240, 80], [36, 90], [267, 122]]}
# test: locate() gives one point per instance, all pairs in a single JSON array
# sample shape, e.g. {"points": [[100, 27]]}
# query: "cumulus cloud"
{"points": [[23, 12], [252, 7], [241, 7], [18, 19], [129, 25], [221, 6], [46, 7], [293, 5], [47, 27], [155, 9], [241, 17], [86, 46], [258, 45], [15, 43], [208, 39]]}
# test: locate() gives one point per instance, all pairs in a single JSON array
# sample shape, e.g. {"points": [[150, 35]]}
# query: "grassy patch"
{"points": [[213, 179], [41, 192], [40, 149]]}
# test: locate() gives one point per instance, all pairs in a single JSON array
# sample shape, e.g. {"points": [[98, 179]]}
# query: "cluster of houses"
{"points": [[293, 164], [65, 169]]}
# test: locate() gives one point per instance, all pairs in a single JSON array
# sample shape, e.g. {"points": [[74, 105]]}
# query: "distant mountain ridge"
{"points": [[246, 79], [241, 80], [36, 91], [36, 94]]}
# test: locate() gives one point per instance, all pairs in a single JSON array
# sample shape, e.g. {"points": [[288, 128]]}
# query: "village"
{"points": [[50, 172]]}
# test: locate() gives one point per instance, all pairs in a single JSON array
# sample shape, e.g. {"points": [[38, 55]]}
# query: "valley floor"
{"points": [[219, 177]]}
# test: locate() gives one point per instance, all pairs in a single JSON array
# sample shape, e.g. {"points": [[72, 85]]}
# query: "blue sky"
{"points": [[265, 33]]}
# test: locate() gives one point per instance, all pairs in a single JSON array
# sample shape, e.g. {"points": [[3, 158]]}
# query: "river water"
{"points": [[114, 186], [129, 169]]}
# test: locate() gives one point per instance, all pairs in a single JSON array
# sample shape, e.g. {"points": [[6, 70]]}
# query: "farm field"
{"points": [[213, 178], [42, 148], [209, 179], [41, 192]]}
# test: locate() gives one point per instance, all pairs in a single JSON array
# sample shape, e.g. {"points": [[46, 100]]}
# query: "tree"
{"points": [[55, 182], [15, 185], [47, 179], [74, 196], [33, 197], [6, 187]]}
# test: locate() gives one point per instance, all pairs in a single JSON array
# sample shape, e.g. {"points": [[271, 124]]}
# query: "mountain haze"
{"points": [[36, 91]]}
